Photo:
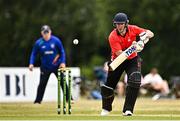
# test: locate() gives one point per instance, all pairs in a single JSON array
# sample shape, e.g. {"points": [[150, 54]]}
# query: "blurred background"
{"points": [[90, 21]]}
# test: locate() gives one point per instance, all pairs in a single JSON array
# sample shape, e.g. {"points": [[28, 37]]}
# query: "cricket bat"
{"points": [[124, 55]]}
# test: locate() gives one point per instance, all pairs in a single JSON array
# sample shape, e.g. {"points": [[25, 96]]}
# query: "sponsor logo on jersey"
{"points": [[48, 52], [43, 47], [52, 45]]}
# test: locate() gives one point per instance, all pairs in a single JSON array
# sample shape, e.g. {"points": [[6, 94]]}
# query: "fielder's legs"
{"points": [[44, 76]]}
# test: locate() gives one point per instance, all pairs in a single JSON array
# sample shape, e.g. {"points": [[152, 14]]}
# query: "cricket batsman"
{"points": [[122, 37]]}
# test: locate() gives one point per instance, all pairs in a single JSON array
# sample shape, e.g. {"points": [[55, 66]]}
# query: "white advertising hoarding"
{"points": [[20, 84]]}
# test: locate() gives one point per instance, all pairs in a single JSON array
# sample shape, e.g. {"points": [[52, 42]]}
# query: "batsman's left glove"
{"points": [[143, 35]]}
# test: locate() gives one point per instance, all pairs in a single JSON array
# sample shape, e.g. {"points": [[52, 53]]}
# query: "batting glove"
{"points": [[139, 45], [143, 36]]}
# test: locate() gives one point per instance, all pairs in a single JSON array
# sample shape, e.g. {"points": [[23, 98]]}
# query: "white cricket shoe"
{"points": [[127, 113], [104, 112], [156, 97]]}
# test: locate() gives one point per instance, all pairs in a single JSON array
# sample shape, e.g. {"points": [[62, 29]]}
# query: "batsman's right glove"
{"points": [[139, 45]]}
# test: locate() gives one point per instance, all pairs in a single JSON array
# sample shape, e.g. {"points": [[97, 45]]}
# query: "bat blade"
{"points": [[122, 57]]}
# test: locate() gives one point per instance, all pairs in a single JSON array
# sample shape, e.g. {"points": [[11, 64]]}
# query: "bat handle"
{"points": [[110, 69]]}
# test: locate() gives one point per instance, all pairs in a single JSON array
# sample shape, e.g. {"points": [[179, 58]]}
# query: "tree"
{"points": [[91, 23]]}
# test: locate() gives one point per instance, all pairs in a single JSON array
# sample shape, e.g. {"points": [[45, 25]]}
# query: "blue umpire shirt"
{"points": [[48, 50]]}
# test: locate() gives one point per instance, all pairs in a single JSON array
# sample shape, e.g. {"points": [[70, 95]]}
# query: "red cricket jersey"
{"points": [[118, 42]]}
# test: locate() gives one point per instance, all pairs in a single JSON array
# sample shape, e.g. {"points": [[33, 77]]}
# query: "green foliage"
{"points": [[88, 69], [90, 21]]}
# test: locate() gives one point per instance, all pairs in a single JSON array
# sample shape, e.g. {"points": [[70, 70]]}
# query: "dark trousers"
{"points": [[44, 76], [133, 70], [129, 66]]}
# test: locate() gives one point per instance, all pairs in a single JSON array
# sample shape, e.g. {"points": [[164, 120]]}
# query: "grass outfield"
{"points": [[83, 109]]}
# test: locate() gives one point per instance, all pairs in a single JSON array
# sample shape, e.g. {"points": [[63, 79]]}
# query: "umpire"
{"points": [[122, 37], [52, 56]]}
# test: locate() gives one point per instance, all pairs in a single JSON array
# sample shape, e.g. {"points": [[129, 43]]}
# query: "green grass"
{"points": [[83, 109]]}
